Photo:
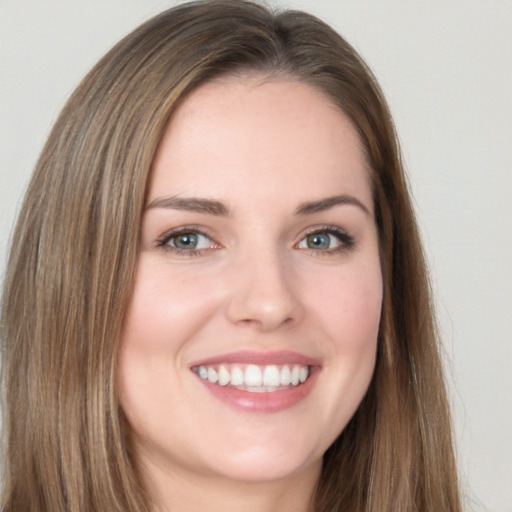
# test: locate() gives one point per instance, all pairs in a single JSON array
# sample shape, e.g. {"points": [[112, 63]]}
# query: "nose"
{"points": [[264, 294]]}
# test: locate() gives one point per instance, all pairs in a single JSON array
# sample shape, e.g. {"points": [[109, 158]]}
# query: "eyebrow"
{"points": [[213, 207], [191, 204], [329, 202]]}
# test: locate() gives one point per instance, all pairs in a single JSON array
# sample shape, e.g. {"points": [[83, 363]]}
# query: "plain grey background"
{"points": [[446, 68]]}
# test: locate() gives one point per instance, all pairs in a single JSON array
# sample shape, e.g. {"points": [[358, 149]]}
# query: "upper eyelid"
{"points": [[186, 229], [324, 227], [321, 229]]}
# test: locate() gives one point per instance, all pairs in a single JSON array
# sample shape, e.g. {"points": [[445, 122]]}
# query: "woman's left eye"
{"points": [[327, 240]]}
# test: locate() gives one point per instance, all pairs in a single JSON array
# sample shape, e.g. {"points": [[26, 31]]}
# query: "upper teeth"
{"points": [[253, 377]]}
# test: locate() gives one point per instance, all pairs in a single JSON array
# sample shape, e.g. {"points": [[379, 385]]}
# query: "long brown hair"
{"points": [[71, 271]]}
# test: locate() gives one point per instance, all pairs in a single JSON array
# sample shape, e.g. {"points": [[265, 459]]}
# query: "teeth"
{"points": [[224, 376], [295, 375], [286, 376], [213, 376], [253, 376], [256, 379], [271, 376], [203, 373], [237, 376]]}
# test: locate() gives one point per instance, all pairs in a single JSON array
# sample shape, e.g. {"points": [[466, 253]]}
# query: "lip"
{"points": [[260, 358], [269, 402]]}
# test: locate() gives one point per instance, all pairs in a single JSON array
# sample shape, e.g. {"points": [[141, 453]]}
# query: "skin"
{"points": [[262, 148]]}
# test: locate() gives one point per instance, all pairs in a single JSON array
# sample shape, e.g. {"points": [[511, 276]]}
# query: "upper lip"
{"points": [[259, 358]]}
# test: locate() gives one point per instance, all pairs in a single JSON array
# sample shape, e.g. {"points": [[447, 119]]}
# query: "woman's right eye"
{"points": [[187, 242]]}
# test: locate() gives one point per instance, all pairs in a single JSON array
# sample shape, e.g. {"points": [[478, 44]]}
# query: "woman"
{"points": [[217, 295]]}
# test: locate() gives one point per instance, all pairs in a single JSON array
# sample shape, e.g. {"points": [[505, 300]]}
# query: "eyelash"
{"points": [[347, 241], [163, 242]]}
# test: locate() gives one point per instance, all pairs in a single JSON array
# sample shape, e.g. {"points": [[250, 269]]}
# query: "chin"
{"points": [[261, 466]]}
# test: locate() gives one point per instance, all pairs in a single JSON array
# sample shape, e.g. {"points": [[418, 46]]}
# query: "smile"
{"points": [[258, 382], [254, 378]]}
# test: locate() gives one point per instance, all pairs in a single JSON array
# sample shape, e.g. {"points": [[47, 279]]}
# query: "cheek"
{"points": [[167, 307], [350, 317], [349, 306]]}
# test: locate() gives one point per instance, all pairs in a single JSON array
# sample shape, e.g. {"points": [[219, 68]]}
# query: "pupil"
{"points": [[186, 241], [318, 241]]}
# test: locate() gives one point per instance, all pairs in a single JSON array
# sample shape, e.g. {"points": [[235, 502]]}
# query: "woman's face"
{"points": [[251, 335]]}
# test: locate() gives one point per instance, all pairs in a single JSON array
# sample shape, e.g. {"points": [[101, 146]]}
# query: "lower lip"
{"points": [[269, 402]]}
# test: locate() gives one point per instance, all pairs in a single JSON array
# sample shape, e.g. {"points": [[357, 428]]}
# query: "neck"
{"points": [[185, 492]]}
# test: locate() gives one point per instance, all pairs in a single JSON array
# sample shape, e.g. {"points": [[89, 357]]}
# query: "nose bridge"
{"points": [[263, 291]]}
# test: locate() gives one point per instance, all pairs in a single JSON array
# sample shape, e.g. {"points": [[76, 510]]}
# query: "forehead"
{"points": [[260, 135]]}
